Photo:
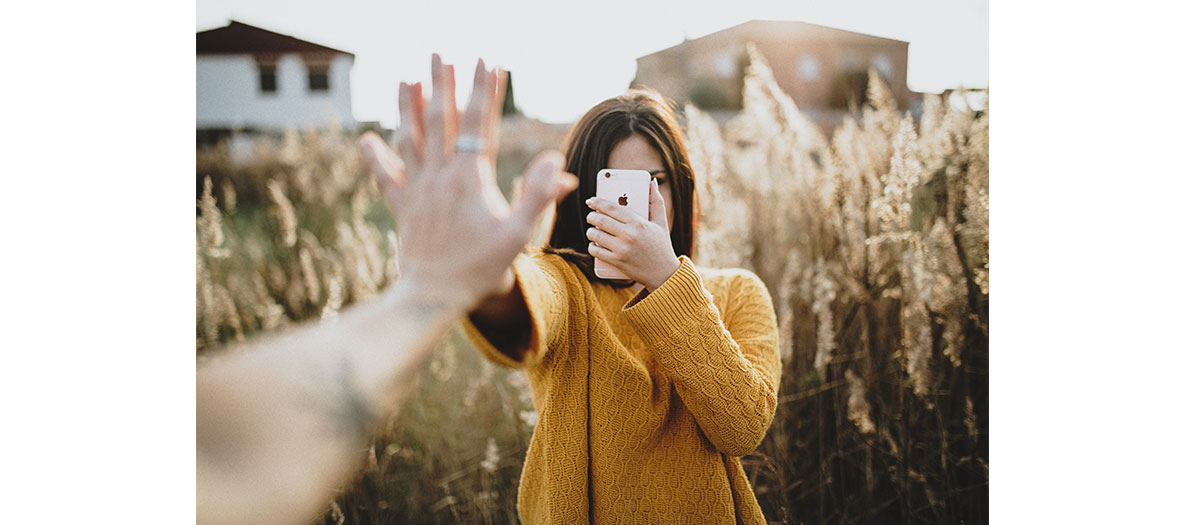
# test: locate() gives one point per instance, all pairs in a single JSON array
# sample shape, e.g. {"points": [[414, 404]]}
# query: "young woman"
{"points": [[648, 390]]}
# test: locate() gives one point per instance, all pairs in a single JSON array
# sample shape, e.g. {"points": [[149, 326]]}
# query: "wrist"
{"points": [[665, 273], [442, 297]]}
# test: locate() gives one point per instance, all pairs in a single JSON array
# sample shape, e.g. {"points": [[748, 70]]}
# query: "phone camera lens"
{"points": [[608, 174]]}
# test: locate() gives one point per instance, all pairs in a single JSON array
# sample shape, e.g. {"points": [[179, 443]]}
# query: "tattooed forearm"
{"points": [[377, 364], [304, 401]]}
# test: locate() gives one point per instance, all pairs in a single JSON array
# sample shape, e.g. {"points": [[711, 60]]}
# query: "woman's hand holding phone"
{"points": [[640, 248]]}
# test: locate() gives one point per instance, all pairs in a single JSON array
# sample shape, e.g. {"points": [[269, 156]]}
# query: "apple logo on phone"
{"points": [[623, 199]]}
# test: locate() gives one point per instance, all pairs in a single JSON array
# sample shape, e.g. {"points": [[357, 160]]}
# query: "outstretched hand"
{"points": [[458, 235]]}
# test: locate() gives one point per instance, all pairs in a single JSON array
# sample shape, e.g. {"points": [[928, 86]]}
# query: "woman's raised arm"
{"points": [[726, 371]]}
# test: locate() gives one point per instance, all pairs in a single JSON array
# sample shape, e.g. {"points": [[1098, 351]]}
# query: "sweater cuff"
{"points": [[533, 287], [662, 312]]}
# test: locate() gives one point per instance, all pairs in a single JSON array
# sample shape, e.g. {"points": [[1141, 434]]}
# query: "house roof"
{"points": [[786, 29], [239, 38]]}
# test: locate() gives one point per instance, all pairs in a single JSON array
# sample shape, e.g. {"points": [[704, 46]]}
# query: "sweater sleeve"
{"points": [[546, 286], [727, 374]]}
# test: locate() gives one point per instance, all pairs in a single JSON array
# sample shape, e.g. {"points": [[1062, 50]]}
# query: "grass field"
{"points": [[874, 244]]}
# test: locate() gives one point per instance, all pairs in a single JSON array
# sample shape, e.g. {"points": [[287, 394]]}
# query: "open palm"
{"points": [[458, 234]]}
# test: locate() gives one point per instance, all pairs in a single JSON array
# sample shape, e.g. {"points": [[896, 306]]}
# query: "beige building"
{"points": [[821, 68]]}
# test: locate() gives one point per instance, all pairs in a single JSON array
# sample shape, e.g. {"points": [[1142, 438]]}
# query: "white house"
{"points": [[251, 79]]}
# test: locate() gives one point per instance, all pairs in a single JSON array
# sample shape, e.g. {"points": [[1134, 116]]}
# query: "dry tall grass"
{"points": [[874, 245]]}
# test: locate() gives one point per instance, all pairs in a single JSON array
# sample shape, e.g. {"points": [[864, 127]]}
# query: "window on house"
{"points": [[317, 77], [725, 64], [267, 78], [808, 68]]}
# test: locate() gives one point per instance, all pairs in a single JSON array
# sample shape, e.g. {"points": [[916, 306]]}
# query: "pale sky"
{"points": [[565, 58]]}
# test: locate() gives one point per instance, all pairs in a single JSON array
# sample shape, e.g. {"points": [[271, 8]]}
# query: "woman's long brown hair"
{"points": [[642, 112]]}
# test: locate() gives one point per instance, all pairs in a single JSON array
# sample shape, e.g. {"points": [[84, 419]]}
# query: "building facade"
{"points": [[252, 79], [821, 68]]}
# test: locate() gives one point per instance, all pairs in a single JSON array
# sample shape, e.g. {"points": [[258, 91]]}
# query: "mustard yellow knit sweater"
{"points": [[645, 402]]}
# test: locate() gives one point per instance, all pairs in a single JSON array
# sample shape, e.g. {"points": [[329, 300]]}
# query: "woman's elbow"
{"points": [[745, 436]]}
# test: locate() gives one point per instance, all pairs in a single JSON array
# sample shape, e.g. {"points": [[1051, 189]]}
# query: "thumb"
{"points": [[387, 168], [544, 183], [659, 212]]}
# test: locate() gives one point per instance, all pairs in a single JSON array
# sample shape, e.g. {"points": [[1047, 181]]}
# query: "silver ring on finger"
{"points": [[470, 144]]}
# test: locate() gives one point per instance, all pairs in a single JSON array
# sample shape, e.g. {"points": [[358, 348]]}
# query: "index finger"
{"points": [[499, 81], [409, 132], [475, 114], [441, 118], [612, 210]]}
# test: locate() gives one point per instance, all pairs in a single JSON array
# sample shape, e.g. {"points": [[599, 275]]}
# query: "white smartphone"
{"points": [[630, 189]]}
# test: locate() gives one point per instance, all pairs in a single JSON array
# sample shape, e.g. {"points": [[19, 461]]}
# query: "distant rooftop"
{"points": [[239, 38], [786, 28]]}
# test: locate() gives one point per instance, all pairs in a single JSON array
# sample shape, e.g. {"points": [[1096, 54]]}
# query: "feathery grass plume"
{"points": [[295, 294], [335, 300], [369, 248], [824, 294], [932, 134], [882, 111], [977, 155], [342, 182], [361, 200], [858, 406], [725, 222], [483, 378], [894, 205], [350, 264], [794, 128], [229, 312], [848, 164], [786, 333], [942, 290], [276, 278], [527, 417], [242, 295], [284, 213], [975, 225], [337, 514], [969, 421], [311, 263], [918, 344], [706, 152], [230, 196], [981, 277], [307, 184], [358, 276], [292, 150], [209, 224], [207, 308], [491, 456], [310, 278], [371, 458], [270, 314]]}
